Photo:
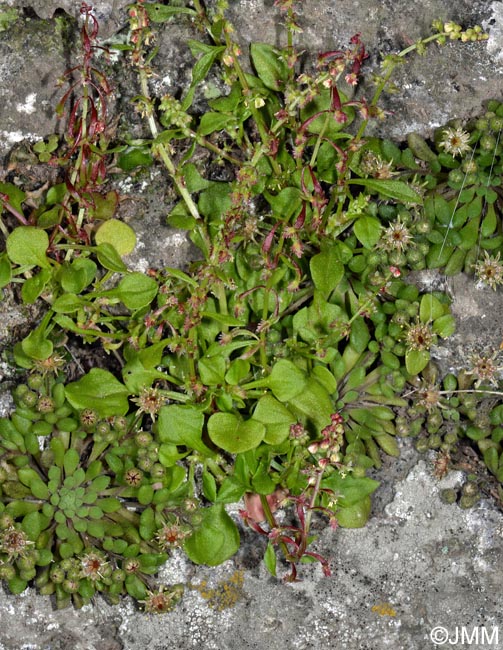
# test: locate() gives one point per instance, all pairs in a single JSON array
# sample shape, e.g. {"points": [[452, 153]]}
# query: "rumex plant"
{"points": [[272, 368]]}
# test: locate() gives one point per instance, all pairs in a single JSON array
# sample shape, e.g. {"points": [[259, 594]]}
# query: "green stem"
{"points": [[162, 151]]}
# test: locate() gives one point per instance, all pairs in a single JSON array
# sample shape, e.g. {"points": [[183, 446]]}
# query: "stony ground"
{"points": [[419, 563]]}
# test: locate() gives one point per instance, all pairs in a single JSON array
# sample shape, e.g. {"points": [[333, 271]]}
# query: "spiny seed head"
{"points": [[133, 477], [45, 404], [88, 418]]}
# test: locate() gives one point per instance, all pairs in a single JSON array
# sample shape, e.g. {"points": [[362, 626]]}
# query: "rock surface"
{"points": [[419, 563]]}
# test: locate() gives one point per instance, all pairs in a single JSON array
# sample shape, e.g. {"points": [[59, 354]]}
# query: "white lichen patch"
{"points": [[29, 105], [494, 26]]}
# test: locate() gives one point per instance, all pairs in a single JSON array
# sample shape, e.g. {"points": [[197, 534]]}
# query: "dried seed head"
{"points": [[149, 401], [14, 542], [485, 370], [171, 536], [490, 270], [163, 600], [93, 565]]}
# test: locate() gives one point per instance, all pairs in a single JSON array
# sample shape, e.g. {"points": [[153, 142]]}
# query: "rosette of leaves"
{"points": [[73, 497]]}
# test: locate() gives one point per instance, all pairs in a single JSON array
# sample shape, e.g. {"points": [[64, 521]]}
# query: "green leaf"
{"points": [[182, 425], [231, 490], [209, 486], [397, 190], [136, 290], [287, 203], [270, 559], [15, 195], [50, 218], [99, 390], [5, 270], [231, 433], [271, 69], [104, 207], [34, 286], [276, 418], [286, 380], [211, 122], [359, 335], [135, 156], [109, 258], [67, 304], [32, 525], [117, 234], [326, 270], [159, 13], [416, 360], [444, 326], [216, 539], [350, 489], [27, 245], [71, 461], [145, 494], [17, 585], [430, 308], [200, 70], [367, 230], [212, 370], [75, 277], [36, 345], [136, 376], [135, 587], [355, 516]]}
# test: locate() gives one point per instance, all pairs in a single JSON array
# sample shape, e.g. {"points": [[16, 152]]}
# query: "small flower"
{"points": [[419, 336], [490, 270], [149, 401], [455, 141]]}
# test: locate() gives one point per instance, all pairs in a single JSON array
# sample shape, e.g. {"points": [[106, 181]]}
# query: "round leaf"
{"points": [[27, 246], [119, 234], [99, 390], [416, 360], [215, 541], [234, 435]]}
